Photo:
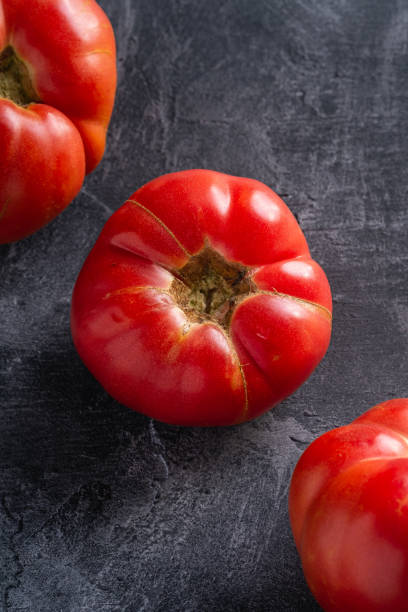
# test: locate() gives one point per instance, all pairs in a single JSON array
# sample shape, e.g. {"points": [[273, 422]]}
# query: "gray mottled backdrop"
{"points": [[105, 510]]}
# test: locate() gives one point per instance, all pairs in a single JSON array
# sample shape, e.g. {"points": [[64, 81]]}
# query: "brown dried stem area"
{"points": [[208, 287], [15, 82]]}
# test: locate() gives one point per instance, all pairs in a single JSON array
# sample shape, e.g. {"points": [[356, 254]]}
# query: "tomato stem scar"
{"points": [[208, 286], [15, 81]]}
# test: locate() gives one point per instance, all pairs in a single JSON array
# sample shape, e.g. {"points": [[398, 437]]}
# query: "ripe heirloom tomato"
{"points": [[199, 303], [57, 87], [348, 507]]}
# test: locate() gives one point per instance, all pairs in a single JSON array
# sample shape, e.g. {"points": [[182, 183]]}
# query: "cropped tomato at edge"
{"points": [[348, 506], [199, 303], [57, 88]]}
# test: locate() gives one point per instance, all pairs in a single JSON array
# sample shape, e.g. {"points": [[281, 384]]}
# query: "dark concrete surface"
{"points": [[103, 509]]}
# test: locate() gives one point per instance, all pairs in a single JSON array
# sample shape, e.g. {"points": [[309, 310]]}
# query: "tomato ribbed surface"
{"points": [[210, 363]]}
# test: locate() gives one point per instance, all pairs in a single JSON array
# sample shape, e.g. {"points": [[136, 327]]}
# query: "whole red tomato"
{"points": [[348, 507], [57, 86], [199, 303]]}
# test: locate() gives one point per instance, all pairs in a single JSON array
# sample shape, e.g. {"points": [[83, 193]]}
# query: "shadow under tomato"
{"points": [[108, 492]]}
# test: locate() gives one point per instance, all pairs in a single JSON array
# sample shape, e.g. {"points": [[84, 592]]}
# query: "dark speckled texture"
{"points": [[102, 509]]}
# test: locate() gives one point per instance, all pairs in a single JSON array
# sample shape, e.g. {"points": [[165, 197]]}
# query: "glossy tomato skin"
{"points": [[47, 146], [42, 166], [140, 344], [348, 507]]}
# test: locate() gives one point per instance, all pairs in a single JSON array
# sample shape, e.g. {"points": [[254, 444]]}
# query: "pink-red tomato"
{"points": [[199, 303], [348, 508], [57, 87]]}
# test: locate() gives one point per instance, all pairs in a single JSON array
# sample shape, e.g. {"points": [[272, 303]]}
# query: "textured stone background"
{"points": [[105, 510]]}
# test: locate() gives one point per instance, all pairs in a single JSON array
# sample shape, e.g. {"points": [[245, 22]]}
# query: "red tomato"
{"points": [[57, 86], [199, 303], [348, 507]]}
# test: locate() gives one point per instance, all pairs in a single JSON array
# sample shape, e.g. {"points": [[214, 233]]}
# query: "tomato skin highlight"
{"points": [[178, 311], [36, 188], [49, 142], [348, 507]]}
